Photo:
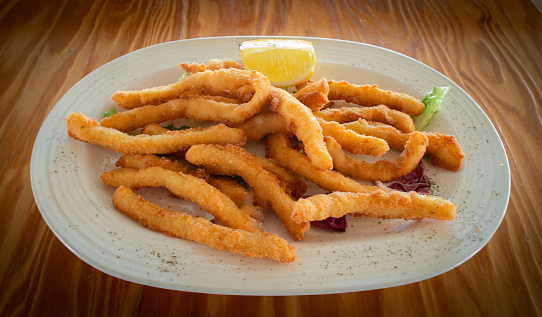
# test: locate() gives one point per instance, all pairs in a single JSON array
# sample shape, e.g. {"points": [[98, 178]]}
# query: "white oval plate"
{"points": [[372, 254]]}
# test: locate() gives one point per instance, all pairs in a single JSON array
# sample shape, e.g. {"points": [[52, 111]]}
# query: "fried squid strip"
{"points": [[371, 96], [198, 108], [401, 121], [292, 183], [383, 170], [295, 186], [140, 161], [353, 142], [187, 187], [154, 129], [314, 95], [444, 150], [377, 204], [234, 160], [214, 98], [231, 83], [192, 106], [301, 121], [230, 187], [182, 225], [89, 130], [212, 64], [265, 123], [277, 147], [139, 117]]}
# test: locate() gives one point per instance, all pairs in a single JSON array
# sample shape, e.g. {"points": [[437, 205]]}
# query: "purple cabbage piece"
{"points": [[414, 181], [332, 224]]}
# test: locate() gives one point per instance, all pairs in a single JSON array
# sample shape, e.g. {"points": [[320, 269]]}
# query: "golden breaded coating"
{"points": [[89, 130], [444, 150], [230, 187], [353, 142], [400, 120], [187, 187], [130, 120], [371, 96], [154, 129], [314, 95], [262, 124], [201, 108], [231, 83], [377, 204], [292, 183], [212, 64], [305, 126], [182, 225], [266, 123], [140, 161], [277, 148], [382, 170], [234, 160]]}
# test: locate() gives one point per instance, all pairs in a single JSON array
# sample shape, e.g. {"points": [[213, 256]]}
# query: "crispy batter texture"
{"points": [[262, 124], [301, 121], [130, 120], [187, 187], [382, 170], [139, 161], [154, 129], [371, 96], [231, 83], [89, 130], [377, 204], [401, 121], [231, 188], [353, 142], [234, 160], [201, 108], [266, 123], [215, 98], [185, 101], [278, 148], [212, 64], [291, 182], [182, 225], [444, 150], [314, 95]]}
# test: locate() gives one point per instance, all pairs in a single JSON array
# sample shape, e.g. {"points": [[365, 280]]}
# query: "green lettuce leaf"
{"points": [[431, 101]]}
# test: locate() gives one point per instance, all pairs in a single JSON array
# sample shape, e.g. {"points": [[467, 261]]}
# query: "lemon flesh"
{"points": [[284, 62]]}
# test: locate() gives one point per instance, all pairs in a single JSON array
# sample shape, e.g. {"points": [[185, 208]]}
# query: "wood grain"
{"points": [[490, 48]]}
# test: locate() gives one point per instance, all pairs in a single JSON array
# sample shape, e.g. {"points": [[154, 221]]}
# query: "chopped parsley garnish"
{"points": [[171, 127], [239, 180], [183, 76], [110, 112]]}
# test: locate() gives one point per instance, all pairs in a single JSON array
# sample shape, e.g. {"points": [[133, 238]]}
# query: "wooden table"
{"points": [[491, 48]]}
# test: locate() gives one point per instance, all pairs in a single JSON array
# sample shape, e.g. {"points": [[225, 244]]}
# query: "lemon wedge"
{"points": [[285, 62]]}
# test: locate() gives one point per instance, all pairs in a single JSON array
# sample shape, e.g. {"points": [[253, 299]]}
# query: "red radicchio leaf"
{"points": [[414, 181], [331, 223]]}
